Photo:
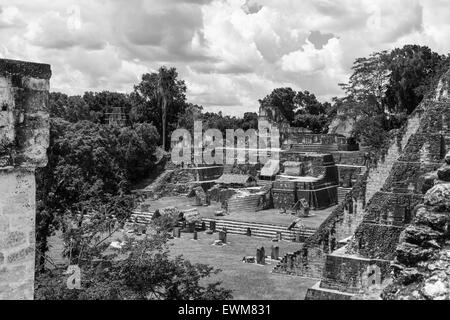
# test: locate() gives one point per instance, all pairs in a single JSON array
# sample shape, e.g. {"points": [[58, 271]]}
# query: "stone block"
{"points": [[420, 235], [438, 196], [444, 173], [410, 254], [436, 220], [223, 236], [275, 254], [260, 256]]}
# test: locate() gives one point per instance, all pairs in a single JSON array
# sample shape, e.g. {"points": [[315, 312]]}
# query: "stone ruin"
{"points": [[320, 168], [354, 248], [309, 176], [24, 136], [422, 259]]}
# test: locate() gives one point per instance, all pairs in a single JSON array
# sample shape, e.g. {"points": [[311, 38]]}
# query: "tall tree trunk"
{"points": [[164, 110]]}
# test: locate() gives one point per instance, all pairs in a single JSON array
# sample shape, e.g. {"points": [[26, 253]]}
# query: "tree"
{"points": [[90, 166], [249, 121], [159, 99], [136, 147], [301, 109], [284, 100], [70, 108], [385, 87], [369, 81], [140, 270], [411, 68], [191, 113], [311, 113], [393, 82], [101, 103], [92, 106]]}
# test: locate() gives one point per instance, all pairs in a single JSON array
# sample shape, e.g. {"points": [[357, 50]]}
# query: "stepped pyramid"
{"points": [[392, 190], [363, 230]]}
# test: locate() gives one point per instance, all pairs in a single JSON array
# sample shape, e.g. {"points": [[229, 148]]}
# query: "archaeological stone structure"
{"points": [[421, 269], [309, 176], [313, 172], [353, 250], [368, 204], [24, 136]]}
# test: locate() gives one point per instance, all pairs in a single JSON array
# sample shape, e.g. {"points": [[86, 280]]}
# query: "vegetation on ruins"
{"points": [[386, 87], [301, 109]]}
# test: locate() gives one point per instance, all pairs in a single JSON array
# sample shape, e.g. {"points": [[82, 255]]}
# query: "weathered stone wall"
{"points": [[357, 158], [309, 138], [349, 275], [309, 261], [306, 262], [349, 175], [24, 136], [418, 152], [351, 217], [17, 238], [379, 174], [422, 259], [391, 208], [209, 173]]}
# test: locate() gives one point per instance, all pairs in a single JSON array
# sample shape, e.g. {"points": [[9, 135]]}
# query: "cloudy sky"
{"points": [[230, 52]]}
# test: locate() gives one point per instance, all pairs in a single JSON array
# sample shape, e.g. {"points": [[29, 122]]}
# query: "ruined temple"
{"points": [[24, 135], [354, 248], [312, 177]]}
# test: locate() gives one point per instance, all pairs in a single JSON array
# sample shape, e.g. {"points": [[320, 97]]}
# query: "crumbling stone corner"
{"points": [[24, 138]]}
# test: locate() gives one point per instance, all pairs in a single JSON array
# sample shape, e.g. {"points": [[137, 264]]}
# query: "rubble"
{"points": [[424, 249]]}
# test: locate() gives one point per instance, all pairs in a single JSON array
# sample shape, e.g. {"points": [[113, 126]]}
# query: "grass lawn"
{"points": [[248, 281]]}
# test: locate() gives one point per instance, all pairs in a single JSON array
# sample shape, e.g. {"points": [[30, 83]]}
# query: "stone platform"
{"points": [[269, 223]]}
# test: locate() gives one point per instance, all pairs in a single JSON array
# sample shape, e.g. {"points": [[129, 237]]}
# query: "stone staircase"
{"points": [[140, 217], [244, 204], [319, 148], [260, 229], [379, 174], [350, 221], [318, 293], [347, 270], [264, 183]]}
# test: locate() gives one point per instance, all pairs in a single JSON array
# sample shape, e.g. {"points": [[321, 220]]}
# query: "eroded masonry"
{"points": [[24, 136]]}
